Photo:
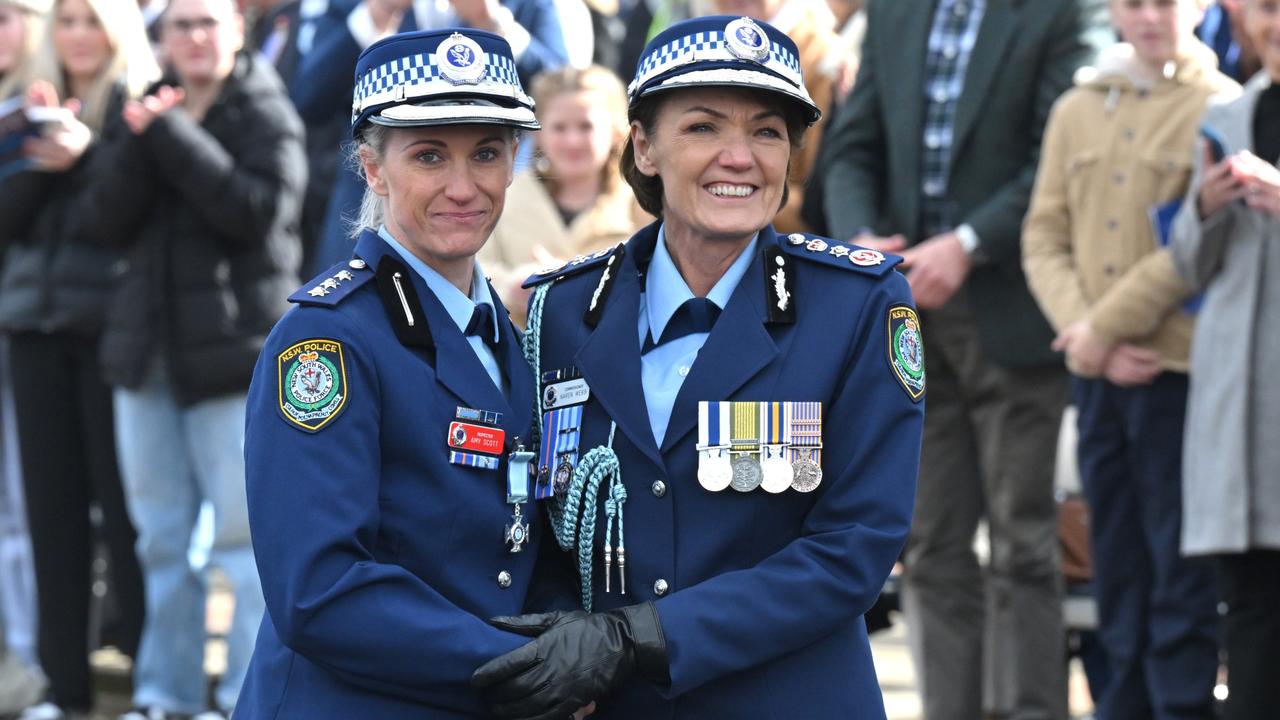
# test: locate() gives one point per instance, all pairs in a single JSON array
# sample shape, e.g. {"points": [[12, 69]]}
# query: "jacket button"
{"points": [[660, 587], [356, 264], [659, 488], [504, 579]]}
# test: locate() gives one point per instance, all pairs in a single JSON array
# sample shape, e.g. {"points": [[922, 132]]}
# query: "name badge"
{"points": [[476, 438], [564, 394]]}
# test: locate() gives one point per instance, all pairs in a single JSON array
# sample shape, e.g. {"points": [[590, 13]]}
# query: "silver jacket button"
{"points": [[504, 579], [659, 488], [660, 587], [356, 264]]}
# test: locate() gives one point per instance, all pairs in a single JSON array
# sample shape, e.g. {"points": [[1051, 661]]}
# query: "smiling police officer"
{"points": [[730, 420], [387, 479]]}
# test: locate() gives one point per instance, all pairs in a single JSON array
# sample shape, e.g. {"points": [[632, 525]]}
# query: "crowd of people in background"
{"points": [[1085, 193]]}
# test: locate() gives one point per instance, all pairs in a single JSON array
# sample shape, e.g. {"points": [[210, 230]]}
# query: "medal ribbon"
{"points": [[746, 426], [713, 424], [775, 425], [547, 452], [518, 476], [806, 430]]}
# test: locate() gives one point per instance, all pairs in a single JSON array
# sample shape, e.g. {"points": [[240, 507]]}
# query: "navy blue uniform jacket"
{"points": [[763, 617], [379, 558]]}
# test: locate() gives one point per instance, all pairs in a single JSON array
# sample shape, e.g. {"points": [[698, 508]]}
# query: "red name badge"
{"points": [[476, 438]]}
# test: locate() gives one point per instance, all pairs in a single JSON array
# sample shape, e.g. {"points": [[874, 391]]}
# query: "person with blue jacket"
{"points": [[729, 421], [389, 476]]}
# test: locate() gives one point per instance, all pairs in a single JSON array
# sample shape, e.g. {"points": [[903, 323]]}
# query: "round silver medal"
{"points": [[746, 474], [776, 473], [714, 472], [806, 474]]}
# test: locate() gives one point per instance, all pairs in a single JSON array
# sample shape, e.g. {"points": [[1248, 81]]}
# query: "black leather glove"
{"points": [[576, 658]]}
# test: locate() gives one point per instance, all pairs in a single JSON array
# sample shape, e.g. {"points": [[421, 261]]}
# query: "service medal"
{"points": [[715, 472], [775, 470], [746, 474], [806, 474], [560, 481], [714, 469], [806, 445], [775, 434]]}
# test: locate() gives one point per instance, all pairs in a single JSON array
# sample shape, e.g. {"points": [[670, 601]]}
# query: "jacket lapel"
{"points": [[460, 371], [738, 347], [610, 359], [994, 35], [901, 70]]}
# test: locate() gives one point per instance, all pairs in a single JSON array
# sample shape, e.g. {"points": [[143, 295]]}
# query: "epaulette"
{"points": [[573, 267], [838, 254], [333, 285]]}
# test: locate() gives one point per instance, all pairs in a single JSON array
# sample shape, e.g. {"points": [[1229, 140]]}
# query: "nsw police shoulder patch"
{"points": [[313, 383], [906, 349]]}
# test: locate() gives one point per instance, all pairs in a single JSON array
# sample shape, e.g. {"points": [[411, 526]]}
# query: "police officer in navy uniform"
{"points": [[386, 479], [748, 408]]}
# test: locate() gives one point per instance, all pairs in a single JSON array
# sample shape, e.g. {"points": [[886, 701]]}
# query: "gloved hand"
{"points": [[575, 659]]}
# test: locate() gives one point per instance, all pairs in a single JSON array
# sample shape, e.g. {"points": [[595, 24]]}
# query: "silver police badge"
{"points": [[460, 59], [714, 470], [746, 41]]}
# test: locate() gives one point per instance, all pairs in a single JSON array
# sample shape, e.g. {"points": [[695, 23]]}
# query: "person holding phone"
{"points": [[1226, 243], [1116, 148]]}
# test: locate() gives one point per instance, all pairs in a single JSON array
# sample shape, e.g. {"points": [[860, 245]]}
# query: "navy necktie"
{"points": [[481, 325], [695, 315]]}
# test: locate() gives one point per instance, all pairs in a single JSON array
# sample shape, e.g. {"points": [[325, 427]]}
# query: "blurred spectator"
{"points": [[1116, 146], [206, 202], [323, 88], [53, 290], [21, 28], [574, 194], [810, 24], [1222, 29], [1226, 241], [608, 30], [851, 28], [934, 154], [282, 38], [576, 23]]}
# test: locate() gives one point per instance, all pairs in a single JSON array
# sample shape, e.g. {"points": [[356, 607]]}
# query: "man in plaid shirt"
{"points": [[934, 157]]}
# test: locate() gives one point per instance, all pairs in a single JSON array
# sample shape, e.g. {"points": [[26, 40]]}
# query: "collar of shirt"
{"points": [[665, 291], [459, 306]]}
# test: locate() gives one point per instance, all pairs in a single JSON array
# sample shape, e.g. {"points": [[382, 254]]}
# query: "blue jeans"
{"points": [[173, 459]]}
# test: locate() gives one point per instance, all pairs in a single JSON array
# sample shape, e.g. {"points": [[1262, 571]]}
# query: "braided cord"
{"points": [[573, 520]]}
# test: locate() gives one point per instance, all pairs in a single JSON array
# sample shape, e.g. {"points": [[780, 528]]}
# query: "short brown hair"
{"points": [[648, 190]]}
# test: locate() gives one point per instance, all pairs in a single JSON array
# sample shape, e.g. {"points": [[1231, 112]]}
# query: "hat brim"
{"points": [[410, 115], [738, 78]]}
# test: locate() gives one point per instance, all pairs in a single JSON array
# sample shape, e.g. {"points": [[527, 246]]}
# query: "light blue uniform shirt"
{"points": [[459, 306], [663, 369]]}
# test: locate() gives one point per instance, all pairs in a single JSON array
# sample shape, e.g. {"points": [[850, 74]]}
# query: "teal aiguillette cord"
{"points": [[573, 518]]}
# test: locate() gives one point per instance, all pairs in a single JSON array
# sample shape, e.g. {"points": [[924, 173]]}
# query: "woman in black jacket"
{"points": [[53, 289], [207, 209]]}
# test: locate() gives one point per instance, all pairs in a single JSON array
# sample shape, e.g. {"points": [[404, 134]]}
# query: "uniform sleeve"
{"points": [[850, 538], [1047, 254], [314, 515], [546, 49]]}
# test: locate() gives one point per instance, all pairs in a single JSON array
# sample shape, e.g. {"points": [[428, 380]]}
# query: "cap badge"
{"points": [[746, 41], [460, 59]]}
